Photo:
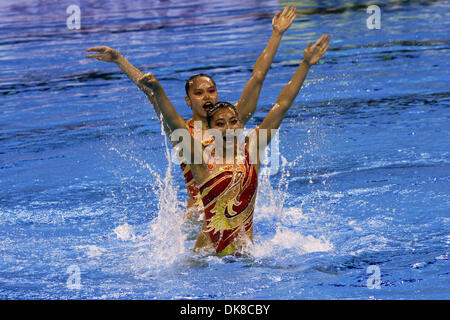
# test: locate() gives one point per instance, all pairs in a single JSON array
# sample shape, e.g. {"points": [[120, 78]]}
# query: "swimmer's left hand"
{"points": [[104, 54], [313, 54], [283, 20]]}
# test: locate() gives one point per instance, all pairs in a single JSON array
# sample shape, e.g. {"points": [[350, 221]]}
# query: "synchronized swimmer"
{"points": [[220, 192], [201, 93]]}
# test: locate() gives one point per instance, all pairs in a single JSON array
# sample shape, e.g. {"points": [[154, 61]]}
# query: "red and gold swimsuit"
{"points": [[228, 198], [191, 185]]}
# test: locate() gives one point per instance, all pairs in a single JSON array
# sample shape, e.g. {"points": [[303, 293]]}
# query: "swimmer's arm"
{"points": [[134, 74], [111, 55], [168, 112], [246, 105], [311, 56], [173, 120]]}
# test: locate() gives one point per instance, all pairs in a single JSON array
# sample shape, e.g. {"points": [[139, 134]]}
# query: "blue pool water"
{"points": [[87, 184]]}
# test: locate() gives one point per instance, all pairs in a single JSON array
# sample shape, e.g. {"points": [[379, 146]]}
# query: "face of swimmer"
{"points": [[226, 121], [201, 95]]}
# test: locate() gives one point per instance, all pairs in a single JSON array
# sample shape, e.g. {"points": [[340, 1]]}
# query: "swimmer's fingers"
{"points": [[99, 49], [282, 21], [293, 18], [314, 53], [319, 52], [324, 44], [317, 46], [288, 12], [323, 39], [97, 55], [324, 49], [285, 10], [276, 17], [318, 43], [104, 54], [291, 13]]}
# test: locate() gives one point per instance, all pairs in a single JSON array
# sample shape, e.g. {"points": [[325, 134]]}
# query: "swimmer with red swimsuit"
{"points": [[228, 190], [228, 196], [201, 92]]}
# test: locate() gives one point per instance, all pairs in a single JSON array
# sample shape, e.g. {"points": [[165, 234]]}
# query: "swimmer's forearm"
{"points": [[280, 23], [107, 54], [249, 98], [133, 73], [285, 99], [291, 90], [264, 61], [171, 120], [162, 101], [163, 106]]}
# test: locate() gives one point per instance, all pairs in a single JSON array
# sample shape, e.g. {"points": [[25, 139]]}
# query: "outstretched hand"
{"points": [[314, 53], [283, 20], [104, 54]]}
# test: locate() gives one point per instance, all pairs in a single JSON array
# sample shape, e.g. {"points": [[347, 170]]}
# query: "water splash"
{"points": [[125, 232], [271, 208], [162, 241], [288, 241], [270, 200]]}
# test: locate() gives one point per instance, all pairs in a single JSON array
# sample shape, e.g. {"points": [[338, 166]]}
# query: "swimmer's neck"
{"points": [[196, 117]]}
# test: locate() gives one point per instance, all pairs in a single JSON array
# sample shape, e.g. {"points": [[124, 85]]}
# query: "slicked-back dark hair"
{"points": [[195, 76], [217, 106]]}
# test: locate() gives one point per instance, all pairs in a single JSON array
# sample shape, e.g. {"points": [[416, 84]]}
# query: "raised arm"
{"points": [[166, 109], [173, 121], [134, 74], [110, 55], [249, 98], [311, 56]]}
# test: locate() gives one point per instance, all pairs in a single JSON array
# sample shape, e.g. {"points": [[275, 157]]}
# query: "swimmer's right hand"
{"points": [[148, 80], [104, 54], [283, 20]]}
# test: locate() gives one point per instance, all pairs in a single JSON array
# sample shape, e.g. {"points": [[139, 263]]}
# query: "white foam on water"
{"points": [[271, 207], [294, 242], [160, 242], [270, 200], [163, 240], [92, 251], [125, 232]]}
